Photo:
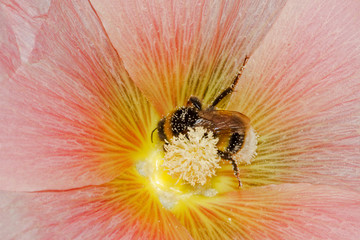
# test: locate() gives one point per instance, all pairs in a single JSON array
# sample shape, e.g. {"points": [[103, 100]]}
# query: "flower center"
{"points": [[192, 157], [170, 189], [190, 165]]}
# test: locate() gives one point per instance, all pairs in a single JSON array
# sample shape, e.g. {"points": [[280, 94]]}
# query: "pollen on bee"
{"points": [[192, 157], [248, 151]]}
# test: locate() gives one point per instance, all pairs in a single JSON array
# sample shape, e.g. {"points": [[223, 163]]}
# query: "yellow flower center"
{"points": [[190, 167]]}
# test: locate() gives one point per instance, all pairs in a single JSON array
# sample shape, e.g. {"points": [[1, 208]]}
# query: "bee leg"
{"points": [[194, 101], [232, 86], [227, 157], [236, 170]]}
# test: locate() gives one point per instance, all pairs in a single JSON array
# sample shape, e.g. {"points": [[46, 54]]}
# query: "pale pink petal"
{"points": [[9, 52], [175, 49], [25, 18], [20, 22], [123, 209], [287, 211], [301, 89], [72, 116]]}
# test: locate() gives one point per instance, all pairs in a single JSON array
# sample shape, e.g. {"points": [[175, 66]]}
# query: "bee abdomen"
{"points": [[235, 143]]}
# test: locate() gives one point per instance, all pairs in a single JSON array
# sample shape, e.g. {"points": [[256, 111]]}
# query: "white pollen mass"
{"points": [[248, 151], [192, 157]]}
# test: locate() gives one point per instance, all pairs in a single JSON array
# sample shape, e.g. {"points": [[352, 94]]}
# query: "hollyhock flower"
{"points": [[83, 84]]}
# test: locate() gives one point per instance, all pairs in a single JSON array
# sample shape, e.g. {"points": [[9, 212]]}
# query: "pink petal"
{"points": [[301, 90], [25, 18], [9, 52], [288, 211], [127, 208], [123, 209], [72, 117], [173, 49]]}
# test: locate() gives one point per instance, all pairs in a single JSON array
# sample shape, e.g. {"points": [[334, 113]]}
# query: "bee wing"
{"points": [[223, 122]]}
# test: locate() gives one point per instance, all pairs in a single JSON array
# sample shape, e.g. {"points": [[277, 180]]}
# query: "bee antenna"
{"points": [[152, 135]]}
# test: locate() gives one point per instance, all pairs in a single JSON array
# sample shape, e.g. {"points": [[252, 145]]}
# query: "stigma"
{"points": [[193, 157]]}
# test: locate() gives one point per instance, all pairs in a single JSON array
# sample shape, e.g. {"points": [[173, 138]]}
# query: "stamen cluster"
{"points": [[192, 157]]}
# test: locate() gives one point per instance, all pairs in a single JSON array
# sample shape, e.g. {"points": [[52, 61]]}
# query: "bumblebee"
{"points": [[230, 127]]}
